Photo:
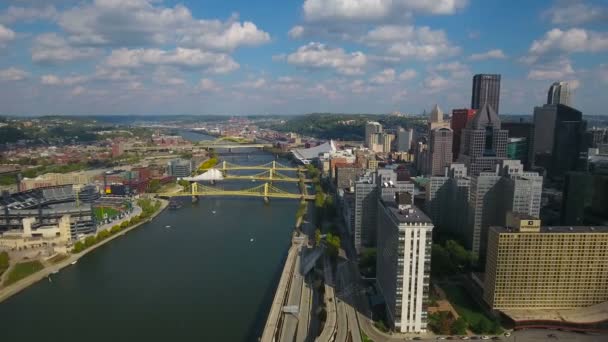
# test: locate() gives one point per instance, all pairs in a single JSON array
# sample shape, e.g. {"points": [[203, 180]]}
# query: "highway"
{"points": [[290, 320]]}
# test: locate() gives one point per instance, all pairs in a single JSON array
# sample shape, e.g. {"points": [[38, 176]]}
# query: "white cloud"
{"points": [[296, 32], [13, 74], [455, 69], [569, 41], [360, 87], [180, 57], [207, 85], [491, 54], [552, 71], [6, 35], [79, 90], [253, 84], [408, 74], [51, 48], [28, 14], [573, 12], [411, 42], [224, 36], [371, 10], [435, 83], [399, 95], [385, 76], [63, 81], [142, 23], [167, 76], [317, 55]]}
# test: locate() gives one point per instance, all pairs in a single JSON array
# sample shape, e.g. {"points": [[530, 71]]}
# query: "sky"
{"points": [[239, 57]]}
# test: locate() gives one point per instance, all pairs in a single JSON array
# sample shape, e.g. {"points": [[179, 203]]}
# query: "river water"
{"points": [[201, 279]]}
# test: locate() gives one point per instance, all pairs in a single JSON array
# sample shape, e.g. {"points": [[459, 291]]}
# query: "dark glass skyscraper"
{"points": [[486, 89], [484, 143], [558, 138]]}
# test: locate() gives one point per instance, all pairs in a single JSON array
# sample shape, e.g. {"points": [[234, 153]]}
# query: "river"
{"points": [[201, 279]]}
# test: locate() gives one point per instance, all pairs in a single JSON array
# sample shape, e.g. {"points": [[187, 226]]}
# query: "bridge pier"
{"points": [[266, 200], [194, 199]]}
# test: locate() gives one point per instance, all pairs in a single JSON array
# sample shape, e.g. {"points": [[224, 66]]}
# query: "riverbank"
{"points": [[22, 284]]}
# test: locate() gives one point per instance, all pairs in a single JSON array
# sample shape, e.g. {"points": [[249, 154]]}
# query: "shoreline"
{"points": [[24, 283]]}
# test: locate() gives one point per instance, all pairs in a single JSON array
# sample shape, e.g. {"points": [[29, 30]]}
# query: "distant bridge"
{"points": [[273, 165], [229, 144], [265, 191], [268, 176]]}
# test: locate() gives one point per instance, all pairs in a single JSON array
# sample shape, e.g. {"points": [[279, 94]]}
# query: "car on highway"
{"points": [[484, 337], [507, 334], [464, 337]]}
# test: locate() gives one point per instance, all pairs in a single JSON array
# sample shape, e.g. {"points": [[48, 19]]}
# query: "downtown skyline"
{"points": [[232, 57]]}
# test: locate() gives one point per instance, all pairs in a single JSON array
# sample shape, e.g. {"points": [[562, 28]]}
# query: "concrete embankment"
{"points": [[22, 284]]}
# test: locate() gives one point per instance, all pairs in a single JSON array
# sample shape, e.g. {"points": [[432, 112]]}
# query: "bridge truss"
{"points": [[265, 190]]}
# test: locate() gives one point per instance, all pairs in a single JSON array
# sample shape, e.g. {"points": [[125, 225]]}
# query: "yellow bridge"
{"points": [[268, 176], [265, 191], [273, 165]]}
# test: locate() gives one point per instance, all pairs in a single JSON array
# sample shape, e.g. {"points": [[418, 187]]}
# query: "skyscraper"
{"points": [[404, 139], [484, 143], [559, 93], [440, 150], [371, 187], [460, 117], [486, 89], [523, 135], [436, 118], [371, 128], [403, 262], [493, 194], [558, 138], [366, 198], [447, 200]]}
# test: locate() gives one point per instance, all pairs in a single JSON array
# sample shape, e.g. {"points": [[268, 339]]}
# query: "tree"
{"points": [[90, 241], [459, 327], [78, 247], [333, 244], [102, 235], [154, 185], [4, 261], [482, 326], [317, 236], [115, 229], [459, 255]]}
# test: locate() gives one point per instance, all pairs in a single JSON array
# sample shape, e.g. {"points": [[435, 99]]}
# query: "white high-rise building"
{"points": [[493, 194], [559, 93], [403, 262], [371, 128]]}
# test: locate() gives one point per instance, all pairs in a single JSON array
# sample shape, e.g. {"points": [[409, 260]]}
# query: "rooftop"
{"points": [[559, 229], [411, 215]]}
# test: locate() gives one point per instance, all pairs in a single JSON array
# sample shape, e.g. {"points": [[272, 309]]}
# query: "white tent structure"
{"points": [[305, 155], [211, 175]]}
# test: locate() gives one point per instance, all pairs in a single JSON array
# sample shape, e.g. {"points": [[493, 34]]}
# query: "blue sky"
{"points": [[295, 56]]}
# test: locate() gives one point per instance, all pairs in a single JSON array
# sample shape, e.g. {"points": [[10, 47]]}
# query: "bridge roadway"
{"points": [[265, 191]]}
